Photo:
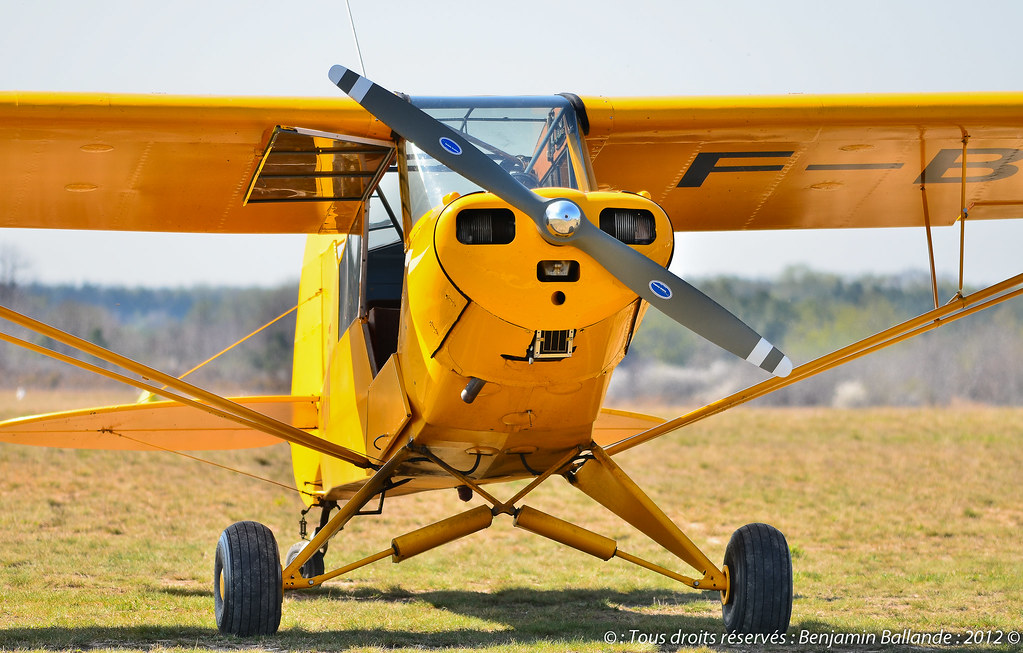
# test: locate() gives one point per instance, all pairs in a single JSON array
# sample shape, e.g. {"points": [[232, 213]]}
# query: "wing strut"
{"points": [[962, 217], [204, 400]]}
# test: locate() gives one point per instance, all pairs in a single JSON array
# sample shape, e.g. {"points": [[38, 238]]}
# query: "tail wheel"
{"points": [[759, 599], [247, 586], [313, 567]]}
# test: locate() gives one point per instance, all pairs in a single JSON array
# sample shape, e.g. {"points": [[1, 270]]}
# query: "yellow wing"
{"points": [[177, 164], [613, 425], [188, 164], [803, 161], [165, 424]]}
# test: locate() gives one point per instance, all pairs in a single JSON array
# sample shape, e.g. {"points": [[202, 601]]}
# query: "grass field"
{"points": [[897, 519]]}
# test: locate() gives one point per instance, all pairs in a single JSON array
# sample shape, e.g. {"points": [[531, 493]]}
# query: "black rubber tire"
{"points": [[760, 575], [247, 587], [315, 566]]}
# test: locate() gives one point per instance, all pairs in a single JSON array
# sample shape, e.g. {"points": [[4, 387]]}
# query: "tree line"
{"points": [[806, 313], [169, 329]]}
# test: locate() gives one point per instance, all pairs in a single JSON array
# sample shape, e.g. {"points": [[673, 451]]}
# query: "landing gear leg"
{"points": [[756, 581], [315, 566]]}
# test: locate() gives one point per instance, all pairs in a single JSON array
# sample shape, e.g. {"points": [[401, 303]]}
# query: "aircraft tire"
{"points": [[313, 567], [760, 574], [247, 586]]}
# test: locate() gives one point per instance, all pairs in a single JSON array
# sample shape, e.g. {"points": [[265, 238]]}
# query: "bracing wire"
{"points": [[238, 342], [210, 462]]}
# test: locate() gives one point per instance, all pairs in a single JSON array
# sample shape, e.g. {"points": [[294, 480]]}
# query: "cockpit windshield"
{"points": [[535, 139]]}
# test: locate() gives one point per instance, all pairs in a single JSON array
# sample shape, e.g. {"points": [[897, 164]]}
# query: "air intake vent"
{"points": [[485, 226], [631, 226], [552, 344]]}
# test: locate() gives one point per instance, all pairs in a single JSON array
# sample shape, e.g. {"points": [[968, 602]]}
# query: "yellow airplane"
{"points": [[476, 268]]}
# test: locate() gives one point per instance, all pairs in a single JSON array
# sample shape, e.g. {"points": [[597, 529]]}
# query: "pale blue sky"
{"points": [[529, 47]]}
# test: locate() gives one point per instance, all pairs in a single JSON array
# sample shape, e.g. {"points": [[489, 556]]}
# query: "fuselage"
{"points": [[541, 326], [468, 333]]}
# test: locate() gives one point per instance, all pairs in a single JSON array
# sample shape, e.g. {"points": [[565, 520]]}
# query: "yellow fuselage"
{"points": [[471, 310]]}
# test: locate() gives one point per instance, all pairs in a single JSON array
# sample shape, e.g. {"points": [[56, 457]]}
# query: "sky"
{"points": [[592, 47]]}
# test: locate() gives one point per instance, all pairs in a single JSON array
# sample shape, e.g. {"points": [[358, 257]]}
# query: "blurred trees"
{"points": [[169, 329], [806, 313]]}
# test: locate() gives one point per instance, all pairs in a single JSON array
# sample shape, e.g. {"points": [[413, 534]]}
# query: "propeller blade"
{"points": [[561, 222], [679, 300]]}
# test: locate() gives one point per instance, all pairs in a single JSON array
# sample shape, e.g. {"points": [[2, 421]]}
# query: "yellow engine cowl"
{"points": [[472, 310], [528, 282]]}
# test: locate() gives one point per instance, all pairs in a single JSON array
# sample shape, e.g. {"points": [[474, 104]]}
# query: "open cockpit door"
{"points": [[305, 165]]}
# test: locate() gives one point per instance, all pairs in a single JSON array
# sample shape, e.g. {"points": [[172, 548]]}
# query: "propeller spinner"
{"points": [[562, 222]]}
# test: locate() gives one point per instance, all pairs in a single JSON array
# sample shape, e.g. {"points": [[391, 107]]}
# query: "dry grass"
{"points": [[897, 519]]}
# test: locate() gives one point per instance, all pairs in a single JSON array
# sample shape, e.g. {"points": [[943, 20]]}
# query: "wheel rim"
{"points": [[726, 595]]}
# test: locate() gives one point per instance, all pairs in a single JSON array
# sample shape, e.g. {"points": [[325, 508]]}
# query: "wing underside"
{"points": [[613, 425], [157, 425]]}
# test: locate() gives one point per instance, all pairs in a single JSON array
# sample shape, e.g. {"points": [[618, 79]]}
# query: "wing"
{"points": [[165, 424], [183, 164], [803, 161], [613, 425]]}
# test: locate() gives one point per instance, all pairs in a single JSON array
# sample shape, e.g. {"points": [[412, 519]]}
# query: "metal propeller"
{"points": [[561, 222]]}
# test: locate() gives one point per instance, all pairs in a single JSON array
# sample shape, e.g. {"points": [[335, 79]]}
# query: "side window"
{"points": [[349, 282], [371, 270], [385, 260]]}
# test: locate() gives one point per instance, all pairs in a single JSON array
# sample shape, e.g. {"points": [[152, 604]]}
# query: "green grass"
{"points": [[897, 519]]}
